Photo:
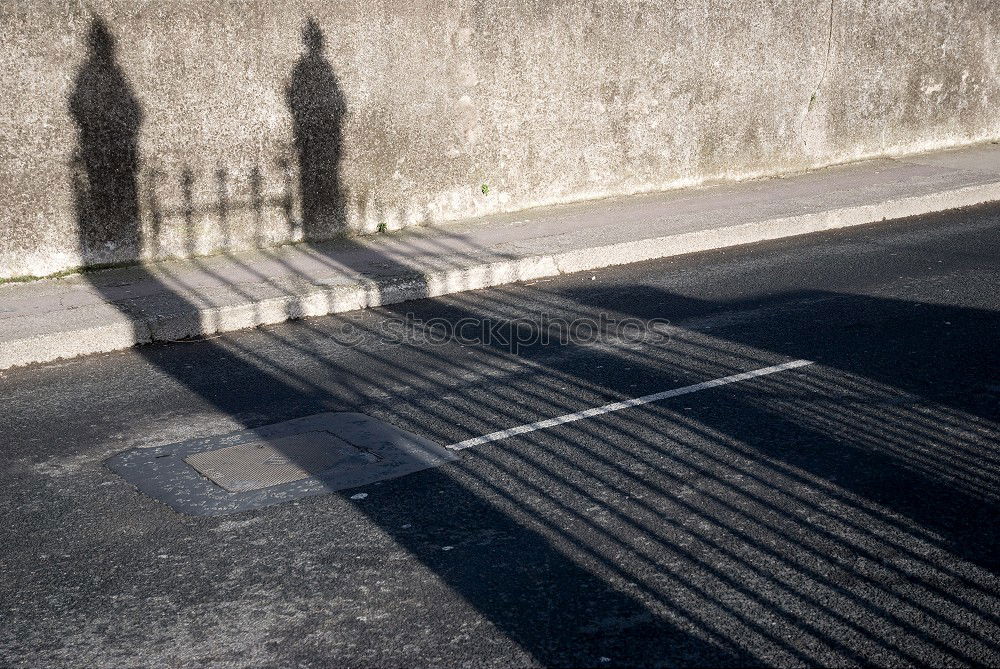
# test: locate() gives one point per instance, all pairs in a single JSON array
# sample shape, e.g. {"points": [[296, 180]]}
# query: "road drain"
{"points": [[269, 465]]}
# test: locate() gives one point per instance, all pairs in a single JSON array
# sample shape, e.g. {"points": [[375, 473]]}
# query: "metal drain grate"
{"points": [[263, 464]]}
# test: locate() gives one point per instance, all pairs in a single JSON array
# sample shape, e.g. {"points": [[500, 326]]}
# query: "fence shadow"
{"points": [[882, 431], [536, 595], [580, 574]]}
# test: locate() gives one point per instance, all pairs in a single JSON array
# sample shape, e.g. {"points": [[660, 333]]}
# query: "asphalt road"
{"points": [[840, 513]]}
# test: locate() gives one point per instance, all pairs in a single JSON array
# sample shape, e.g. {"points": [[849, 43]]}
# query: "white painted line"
{"points": [[625, 404]]}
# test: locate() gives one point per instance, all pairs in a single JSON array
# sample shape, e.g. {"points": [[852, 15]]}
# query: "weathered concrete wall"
{"points": [[173, 128]]}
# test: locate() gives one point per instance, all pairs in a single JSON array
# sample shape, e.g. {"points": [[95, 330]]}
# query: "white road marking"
{"points": [[625, 404]]}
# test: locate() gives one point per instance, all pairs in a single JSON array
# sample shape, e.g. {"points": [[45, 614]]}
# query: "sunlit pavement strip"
{"points": [[625, 404]]}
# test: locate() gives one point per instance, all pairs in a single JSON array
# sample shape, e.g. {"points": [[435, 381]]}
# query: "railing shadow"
{"points": [[648, 553], [900, 437], [532, 592]]}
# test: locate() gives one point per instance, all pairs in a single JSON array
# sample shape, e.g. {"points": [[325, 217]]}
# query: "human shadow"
{"points": [[541, 586], [106, 163], [532, 591], [318, 109]]}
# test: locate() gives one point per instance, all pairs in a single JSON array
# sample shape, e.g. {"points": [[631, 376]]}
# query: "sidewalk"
{"points": [[114, 309]]}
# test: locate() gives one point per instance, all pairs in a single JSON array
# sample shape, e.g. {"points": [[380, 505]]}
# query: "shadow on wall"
{"points": [[568, 561], [106, 160], [557, 599], [318, 108]]}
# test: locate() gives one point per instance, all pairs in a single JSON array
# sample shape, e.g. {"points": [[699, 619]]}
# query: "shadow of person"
{"points": [[106, 159], [317, 107], [528, 587]]}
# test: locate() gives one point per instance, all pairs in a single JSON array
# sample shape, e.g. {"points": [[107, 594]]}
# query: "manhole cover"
{"points": [[264, 466]]}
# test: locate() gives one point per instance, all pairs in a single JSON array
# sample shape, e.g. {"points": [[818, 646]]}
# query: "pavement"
{"points": [[111, 310], [836, 513]]}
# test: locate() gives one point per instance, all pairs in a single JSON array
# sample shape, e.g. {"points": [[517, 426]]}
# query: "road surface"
{"points": [[841, 512]]}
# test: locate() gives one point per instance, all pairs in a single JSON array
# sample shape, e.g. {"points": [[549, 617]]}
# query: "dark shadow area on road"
{"points": [[855, 333], [872, 430], [891, 461], [926, 365]]}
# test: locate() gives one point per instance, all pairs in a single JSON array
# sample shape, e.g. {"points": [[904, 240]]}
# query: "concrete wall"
{"points": [[139, 129]]}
